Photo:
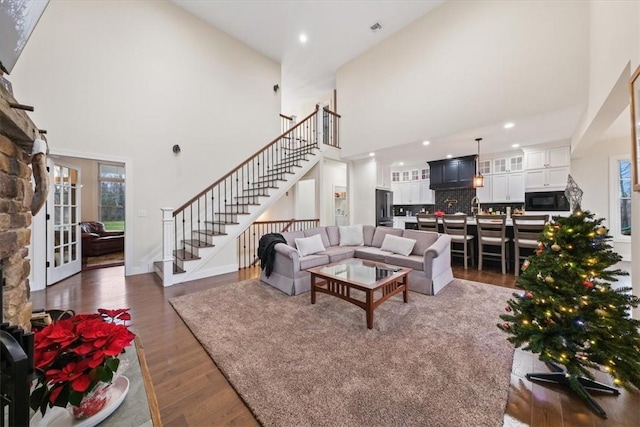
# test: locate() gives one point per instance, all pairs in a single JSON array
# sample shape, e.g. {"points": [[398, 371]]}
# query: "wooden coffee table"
{"points": [[339, 278]]}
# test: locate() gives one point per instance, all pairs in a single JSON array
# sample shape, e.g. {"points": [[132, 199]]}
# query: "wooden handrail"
{"points": [[286, 117], [200, 194], [332, 113]]}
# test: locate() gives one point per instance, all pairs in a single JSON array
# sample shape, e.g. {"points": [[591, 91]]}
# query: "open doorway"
{"points": [[105, 217], [100, 218]]}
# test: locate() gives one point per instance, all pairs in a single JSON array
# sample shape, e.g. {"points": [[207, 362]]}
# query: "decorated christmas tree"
{"points": [[570, 314]]}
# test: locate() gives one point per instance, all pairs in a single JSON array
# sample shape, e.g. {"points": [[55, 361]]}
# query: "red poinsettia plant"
{"points": [[76, 354]]}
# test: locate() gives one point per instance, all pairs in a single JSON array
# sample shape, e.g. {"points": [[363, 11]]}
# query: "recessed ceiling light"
{"points": [[515, 145], [401, 163], [372, 154], [509, 125], [303, 38], [426, 142], [449, 156]]}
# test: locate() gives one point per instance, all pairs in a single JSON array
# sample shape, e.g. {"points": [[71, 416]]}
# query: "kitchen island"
{"points": [[410, 222]]}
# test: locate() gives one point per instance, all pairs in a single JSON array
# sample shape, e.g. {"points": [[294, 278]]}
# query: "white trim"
{"points": [[614, 201], [128, 196]]}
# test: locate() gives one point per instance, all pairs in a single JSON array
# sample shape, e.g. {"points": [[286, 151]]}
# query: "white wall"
{"points": [[591, 172], [334, 174], [614, 38], [464, 65], [128, 80], [362, 185]]}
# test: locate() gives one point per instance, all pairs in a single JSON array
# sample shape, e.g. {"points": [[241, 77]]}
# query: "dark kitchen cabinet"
{"points": [[452, 173]]}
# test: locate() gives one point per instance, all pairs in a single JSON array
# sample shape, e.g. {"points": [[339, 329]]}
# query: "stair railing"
{"points": [[249, 240], [207, 214], [330, 128]]}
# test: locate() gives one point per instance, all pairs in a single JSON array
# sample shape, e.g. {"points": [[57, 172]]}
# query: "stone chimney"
{"points": [[17, 133]]}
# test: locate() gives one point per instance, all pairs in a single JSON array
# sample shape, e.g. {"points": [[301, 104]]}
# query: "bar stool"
{"points": [[427, 222], [526, 230], [456, 227], [492, 230]]}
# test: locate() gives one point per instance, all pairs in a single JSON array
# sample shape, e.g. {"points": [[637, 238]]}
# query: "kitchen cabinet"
{"points": [[452, 173], [549, 179], [547, 168], [508, 164], [484, 193], [412, 193], [507, 188], [547, 157]]}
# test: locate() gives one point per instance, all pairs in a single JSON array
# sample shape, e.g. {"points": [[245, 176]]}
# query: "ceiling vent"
{"points": [[376, 27]]}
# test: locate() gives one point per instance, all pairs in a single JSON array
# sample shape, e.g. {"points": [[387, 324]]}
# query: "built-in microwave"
{"points": [[546, 201]]}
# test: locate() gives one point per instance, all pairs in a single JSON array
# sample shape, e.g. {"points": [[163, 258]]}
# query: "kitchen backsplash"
{"points": [[458, 198]]}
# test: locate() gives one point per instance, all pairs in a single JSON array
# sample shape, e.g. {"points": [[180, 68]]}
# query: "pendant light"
{"points": [[478, 179]]}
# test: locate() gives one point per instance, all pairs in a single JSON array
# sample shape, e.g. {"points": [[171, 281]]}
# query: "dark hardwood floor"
{"points": [[191, 391]]}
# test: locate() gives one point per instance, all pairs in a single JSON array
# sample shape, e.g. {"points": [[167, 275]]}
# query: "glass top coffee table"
{"points": [[339, 278]]}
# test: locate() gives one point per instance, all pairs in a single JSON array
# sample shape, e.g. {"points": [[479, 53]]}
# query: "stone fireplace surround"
{"points": [[17, 133]]}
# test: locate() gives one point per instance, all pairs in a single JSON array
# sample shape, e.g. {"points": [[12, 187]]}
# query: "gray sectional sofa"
{"points": [[430, 258]]}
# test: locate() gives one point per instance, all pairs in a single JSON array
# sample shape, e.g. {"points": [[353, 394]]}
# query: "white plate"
{"points": [[61, 417]]}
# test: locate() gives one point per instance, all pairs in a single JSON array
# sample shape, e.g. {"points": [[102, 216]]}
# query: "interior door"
{"points": [[64, 257]]}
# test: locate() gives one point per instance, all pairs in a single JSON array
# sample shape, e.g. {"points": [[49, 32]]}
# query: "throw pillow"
{"points": [[309, 245], [351, 235], [397, 245]]}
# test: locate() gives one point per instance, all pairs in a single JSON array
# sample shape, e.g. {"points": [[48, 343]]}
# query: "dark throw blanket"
{"points": [[267, 252]]}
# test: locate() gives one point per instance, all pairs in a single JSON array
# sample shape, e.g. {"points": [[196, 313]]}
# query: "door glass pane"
{"points": [[65, 195], [56, 194], [56, 256], [74, 252]]}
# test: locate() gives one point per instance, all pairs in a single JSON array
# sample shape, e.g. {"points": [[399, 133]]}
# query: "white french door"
{"points": [[64, 257]]}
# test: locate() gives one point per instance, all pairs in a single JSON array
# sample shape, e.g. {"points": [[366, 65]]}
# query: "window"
{"points": [[111, 184], [620, 210]]}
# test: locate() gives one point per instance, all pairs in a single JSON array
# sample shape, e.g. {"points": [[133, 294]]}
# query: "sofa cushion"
{"points": [[309, 245], [381, 232], [367, 232], [415, 262], [333, 234], [321, 231], [351, 235], [311, 261], [338, 253], [291, 236], [397, 245], [424, 239], [373, 254]]}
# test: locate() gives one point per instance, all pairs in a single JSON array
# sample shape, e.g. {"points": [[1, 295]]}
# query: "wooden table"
{"points": [[339, 278]]}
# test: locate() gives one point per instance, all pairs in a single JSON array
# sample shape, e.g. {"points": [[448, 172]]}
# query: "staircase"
{"points": [[195, 232]]}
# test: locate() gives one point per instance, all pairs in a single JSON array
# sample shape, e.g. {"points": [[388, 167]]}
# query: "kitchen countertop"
{"points": [[472, 221]]}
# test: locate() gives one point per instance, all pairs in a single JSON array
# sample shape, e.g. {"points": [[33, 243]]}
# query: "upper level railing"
{"points": [[249, 240], [330, 128]]}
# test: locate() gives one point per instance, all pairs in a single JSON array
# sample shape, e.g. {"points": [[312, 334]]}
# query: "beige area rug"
{"points": [[436, 361]]}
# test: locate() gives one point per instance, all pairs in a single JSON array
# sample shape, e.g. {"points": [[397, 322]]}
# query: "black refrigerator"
{"points": [[384, 208]]}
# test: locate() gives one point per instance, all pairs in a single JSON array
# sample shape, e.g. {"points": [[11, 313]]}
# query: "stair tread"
{"points": [[184, 255], [209, 232], [241, 204], [222, 222], [198, 243], [160, 266], [253, 195]]}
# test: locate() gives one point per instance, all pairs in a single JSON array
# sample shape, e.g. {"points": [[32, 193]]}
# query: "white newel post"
{"points": [[167, 246], [320, 127]]}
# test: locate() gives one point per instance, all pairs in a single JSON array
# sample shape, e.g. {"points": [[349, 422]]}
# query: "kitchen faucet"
{"points": [[475, 210]]}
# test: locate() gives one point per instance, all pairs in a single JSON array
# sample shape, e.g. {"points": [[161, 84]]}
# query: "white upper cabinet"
{"points": [[547, 168], [547, 157]]}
